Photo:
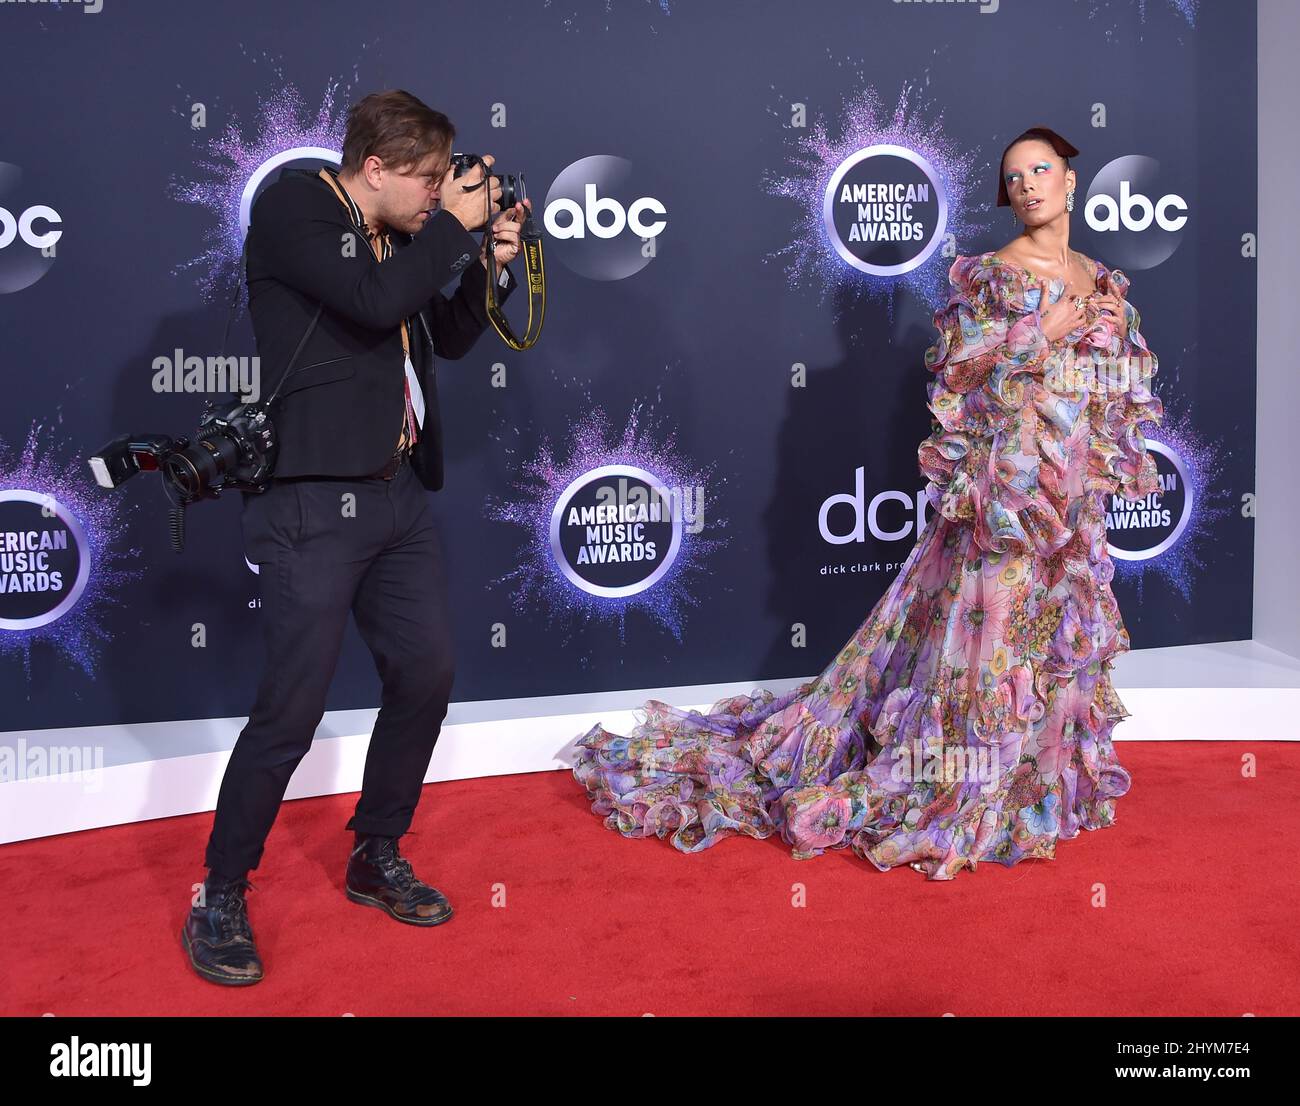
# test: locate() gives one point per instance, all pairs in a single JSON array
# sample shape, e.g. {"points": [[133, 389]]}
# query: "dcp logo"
{"points": [[605, 225], [29, 230], [1141, 218], [891, 515]]}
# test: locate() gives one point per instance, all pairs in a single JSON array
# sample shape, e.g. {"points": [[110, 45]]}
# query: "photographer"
{"points": [[344, 278]]}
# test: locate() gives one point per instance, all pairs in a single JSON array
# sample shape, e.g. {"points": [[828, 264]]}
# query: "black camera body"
{"points": [[511, 192], [233, 448]]}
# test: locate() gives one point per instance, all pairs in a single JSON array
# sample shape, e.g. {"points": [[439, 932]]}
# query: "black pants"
{"points": [[326, 547]]}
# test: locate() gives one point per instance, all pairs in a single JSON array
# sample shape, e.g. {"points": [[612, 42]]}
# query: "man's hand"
{"points": [[505, 233], [469, 207]]}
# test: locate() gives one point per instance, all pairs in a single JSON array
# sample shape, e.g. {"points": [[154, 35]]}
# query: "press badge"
{"points": [[417, 394]]}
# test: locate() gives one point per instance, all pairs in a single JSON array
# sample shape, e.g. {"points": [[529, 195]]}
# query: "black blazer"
{"points": [[340, 411]]}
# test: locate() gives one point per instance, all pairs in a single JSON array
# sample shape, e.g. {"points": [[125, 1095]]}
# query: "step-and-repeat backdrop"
{"points": [[714, 330]]}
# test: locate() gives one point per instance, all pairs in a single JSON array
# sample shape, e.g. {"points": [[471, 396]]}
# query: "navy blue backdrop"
{"points": [[676, 352]]}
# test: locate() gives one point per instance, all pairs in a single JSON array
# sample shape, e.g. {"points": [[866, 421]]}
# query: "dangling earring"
{"points": [[1069, 200]]}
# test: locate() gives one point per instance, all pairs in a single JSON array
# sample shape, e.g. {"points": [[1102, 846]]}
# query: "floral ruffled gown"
{"points": [[969, 718]]}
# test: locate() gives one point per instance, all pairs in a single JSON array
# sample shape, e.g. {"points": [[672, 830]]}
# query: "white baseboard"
{"points": [[1255, 697]]}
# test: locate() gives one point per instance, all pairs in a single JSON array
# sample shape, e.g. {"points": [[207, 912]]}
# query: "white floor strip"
{"points": [[1233, 691]]}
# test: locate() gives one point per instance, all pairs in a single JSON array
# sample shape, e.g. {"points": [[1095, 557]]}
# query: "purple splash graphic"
{"points": [[811, 258], [43, 466], [539, 582], [229, 161], [572, 18], [1185, 8], [1120, 10], [1183, 561]]}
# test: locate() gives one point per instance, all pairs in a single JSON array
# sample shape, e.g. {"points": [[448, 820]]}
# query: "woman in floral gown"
{"points": [[969, 717]]}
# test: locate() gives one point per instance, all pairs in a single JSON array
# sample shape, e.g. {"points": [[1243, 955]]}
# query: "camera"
{"points": [[233, 448], [512, 190]]}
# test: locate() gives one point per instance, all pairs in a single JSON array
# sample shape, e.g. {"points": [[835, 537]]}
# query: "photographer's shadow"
{"points": [[870, 391]]}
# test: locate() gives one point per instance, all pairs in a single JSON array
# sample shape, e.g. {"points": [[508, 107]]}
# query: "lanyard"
{"points": [[381, 245]]}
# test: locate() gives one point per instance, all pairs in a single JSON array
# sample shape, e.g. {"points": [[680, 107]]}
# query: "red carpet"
{"points": [[1198, 871]]}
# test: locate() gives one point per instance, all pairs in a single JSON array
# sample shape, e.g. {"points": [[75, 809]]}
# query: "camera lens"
{"points": [[509, 189], [198, 466]]}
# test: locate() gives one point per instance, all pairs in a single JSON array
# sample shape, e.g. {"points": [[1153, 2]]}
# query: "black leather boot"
{"points": [[378, 876], [218, 938]]}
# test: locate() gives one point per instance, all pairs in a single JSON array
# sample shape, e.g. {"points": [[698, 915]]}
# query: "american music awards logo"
{"points": [[1139, 529], [44, 561], [885, 210], [620, 522], [1167, 532], [62, 547], [878, 192], [616, 529]]}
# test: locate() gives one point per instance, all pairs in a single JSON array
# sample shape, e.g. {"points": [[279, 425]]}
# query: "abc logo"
{"points": [[28, 233], [1141, 219], [587, 218], [605, 223], [1170, 212], [24, 226]]}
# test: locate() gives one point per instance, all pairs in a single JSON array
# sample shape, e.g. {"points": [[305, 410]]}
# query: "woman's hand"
{"points": [[1057, 320], [1113, 306]]}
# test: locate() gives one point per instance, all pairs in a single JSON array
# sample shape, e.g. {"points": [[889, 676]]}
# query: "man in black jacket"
{"points": [[344, 278]]}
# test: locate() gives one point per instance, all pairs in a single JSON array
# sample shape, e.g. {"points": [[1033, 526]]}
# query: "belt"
{"points": [[394, 466]]}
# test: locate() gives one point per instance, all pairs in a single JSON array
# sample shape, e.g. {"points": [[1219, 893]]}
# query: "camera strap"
{"points": [[293, 360], [381, 246], [530, 239], [230, 318]]}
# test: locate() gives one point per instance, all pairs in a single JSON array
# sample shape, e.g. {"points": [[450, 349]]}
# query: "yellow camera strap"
{"points": [[534, 278]]}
